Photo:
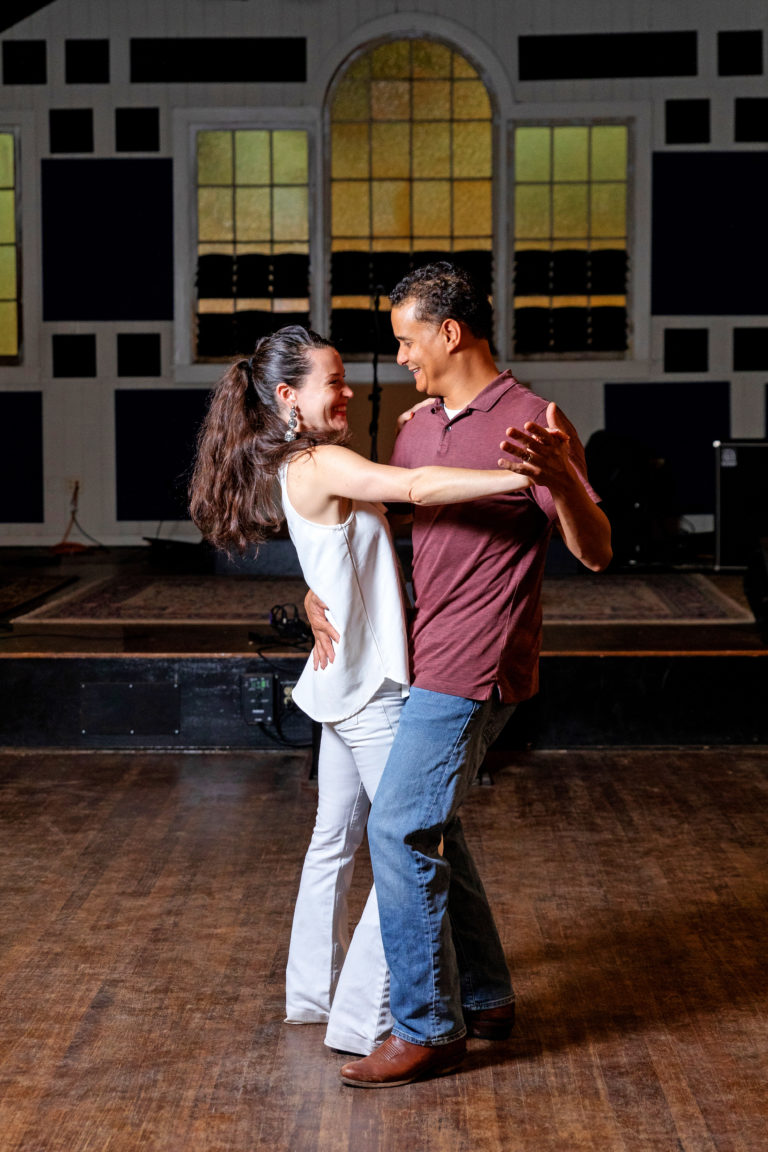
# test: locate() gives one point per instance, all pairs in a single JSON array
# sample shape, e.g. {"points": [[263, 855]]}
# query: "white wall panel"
{"points": [[78, 415]]}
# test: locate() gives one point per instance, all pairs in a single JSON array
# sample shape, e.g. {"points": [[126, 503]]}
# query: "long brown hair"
{"points": [[233, 495]]}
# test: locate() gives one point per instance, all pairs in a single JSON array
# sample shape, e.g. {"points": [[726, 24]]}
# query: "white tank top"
{"points": [[353, 568]]}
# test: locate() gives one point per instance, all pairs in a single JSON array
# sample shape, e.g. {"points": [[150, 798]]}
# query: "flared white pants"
{"points": [[330, 977]]}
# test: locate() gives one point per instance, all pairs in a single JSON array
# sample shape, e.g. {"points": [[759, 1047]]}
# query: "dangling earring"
{"points": [[292, 422]]}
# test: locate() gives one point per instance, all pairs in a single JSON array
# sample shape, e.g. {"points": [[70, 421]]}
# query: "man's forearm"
{"points": [[584, 527]]}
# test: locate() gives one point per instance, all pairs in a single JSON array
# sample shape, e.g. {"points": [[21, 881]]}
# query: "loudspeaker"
{"points": [[756, 587], [741, 500]]}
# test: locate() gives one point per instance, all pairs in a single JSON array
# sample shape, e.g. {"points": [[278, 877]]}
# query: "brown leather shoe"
{"points": [[490, 1023], [398, 1062]]}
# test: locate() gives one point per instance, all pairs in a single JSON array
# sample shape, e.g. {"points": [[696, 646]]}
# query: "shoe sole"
{"points": [[428, 1075]]}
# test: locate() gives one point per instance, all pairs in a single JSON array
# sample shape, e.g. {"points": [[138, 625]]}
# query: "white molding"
{"points": [[185, 123]]}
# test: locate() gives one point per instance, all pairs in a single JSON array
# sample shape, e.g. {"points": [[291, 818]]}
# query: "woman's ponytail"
{"points": [[234, 497]]}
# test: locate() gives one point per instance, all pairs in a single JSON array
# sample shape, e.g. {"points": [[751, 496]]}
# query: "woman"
{"points": [[271, 449]]}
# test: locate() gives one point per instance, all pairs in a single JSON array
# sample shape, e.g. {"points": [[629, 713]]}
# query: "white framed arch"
{"points": [[461, 38]]}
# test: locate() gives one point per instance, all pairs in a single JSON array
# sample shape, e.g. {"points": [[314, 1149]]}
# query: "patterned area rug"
{"points": [[674, 598], [138, 598], [20, 592], [671, 598]]}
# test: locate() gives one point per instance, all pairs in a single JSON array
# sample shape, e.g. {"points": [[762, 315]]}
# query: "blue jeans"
{"points": [[440, 939]]}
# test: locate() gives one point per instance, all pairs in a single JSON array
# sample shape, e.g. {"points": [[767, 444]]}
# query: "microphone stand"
{"points": [[375, 396]]}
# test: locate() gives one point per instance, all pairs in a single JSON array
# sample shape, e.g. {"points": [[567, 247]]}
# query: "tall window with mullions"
{"points": [[411, 178], [10, 325], [252, 237], [571, 274]]}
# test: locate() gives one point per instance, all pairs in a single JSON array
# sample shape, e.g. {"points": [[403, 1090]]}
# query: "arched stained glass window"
{"points": [[10, 338], [252, 236], [570, 235], [411, 177]]}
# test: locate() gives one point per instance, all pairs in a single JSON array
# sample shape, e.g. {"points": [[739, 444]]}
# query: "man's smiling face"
{"points": [[422, 348]]}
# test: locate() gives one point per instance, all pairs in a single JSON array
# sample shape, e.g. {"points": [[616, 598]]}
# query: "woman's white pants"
{"points": [[328, 977]]}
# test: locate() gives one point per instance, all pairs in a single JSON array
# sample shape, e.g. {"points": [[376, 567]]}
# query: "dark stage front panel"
{"points": [[107, 239], [21, 460], [155, 436], [710, 234]]}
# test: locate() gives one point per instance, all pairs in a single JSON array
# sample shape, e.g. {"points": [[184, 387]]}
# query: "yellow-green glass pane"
{"points": [[7, 272], [214, 158], [391, 208], [290, 213], [390, 151], [351, 101], [6, 160], [431, 99], [360, 68], [533, 159], [252, 164], [532, 211], [569, 210], [7, 217], [432, 207], [462, 69], [253, 216], [471, 207], [609, 152], [431, 153], [350, 209], [470, 100], [9, 329], [570, 153], [289, 157], [350, 148], [390, 99], [214, 214], [609, 210], [391, 61], [431, 59], [472, 149]]}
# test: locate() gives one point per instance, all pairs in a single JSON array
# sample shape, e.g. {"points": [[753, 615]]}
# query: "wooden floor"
{"points": [[145, 904]]}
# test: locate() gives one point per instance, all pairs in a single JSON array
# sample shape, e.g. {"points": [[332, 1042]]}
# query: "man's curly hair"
{"points": [[445, 291]]}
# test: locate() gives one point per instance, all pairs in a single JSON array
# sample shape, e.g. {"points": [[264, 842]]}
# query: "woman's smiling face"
{"points": [[321, 402]]}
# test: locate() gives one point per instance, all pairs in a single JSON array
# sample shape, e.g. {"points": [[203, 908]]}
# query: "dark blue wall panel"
{"points": [[678, 423], [710, 234], [21, 460], [155, 437], [107, 239]]}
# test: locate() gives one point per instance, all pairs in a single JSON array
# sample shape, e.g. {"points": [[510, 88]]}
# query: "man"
{"points": [[477, 572]]}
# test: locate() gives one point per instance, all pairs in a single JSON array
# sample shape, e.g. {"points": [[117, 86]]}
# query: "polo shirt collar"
{"points": [[491, 394]]}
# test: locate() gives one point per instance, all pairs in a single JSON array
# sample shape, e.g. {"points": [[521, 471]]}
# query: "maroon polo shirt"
{"points": [[478, 566]]}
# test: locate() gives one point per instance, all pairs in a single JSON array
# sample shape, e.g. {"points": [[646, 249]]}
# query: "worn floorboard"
{"points": [[145, 904]]}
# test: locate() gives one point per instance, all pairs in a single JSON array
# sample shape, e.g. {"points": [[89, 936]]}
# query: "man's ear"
{"points": [[451, 330]]}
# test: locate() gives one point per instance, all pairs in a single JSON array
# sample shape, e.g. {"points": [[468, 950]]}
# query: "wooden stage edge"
{"points": [[207, 686]]}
